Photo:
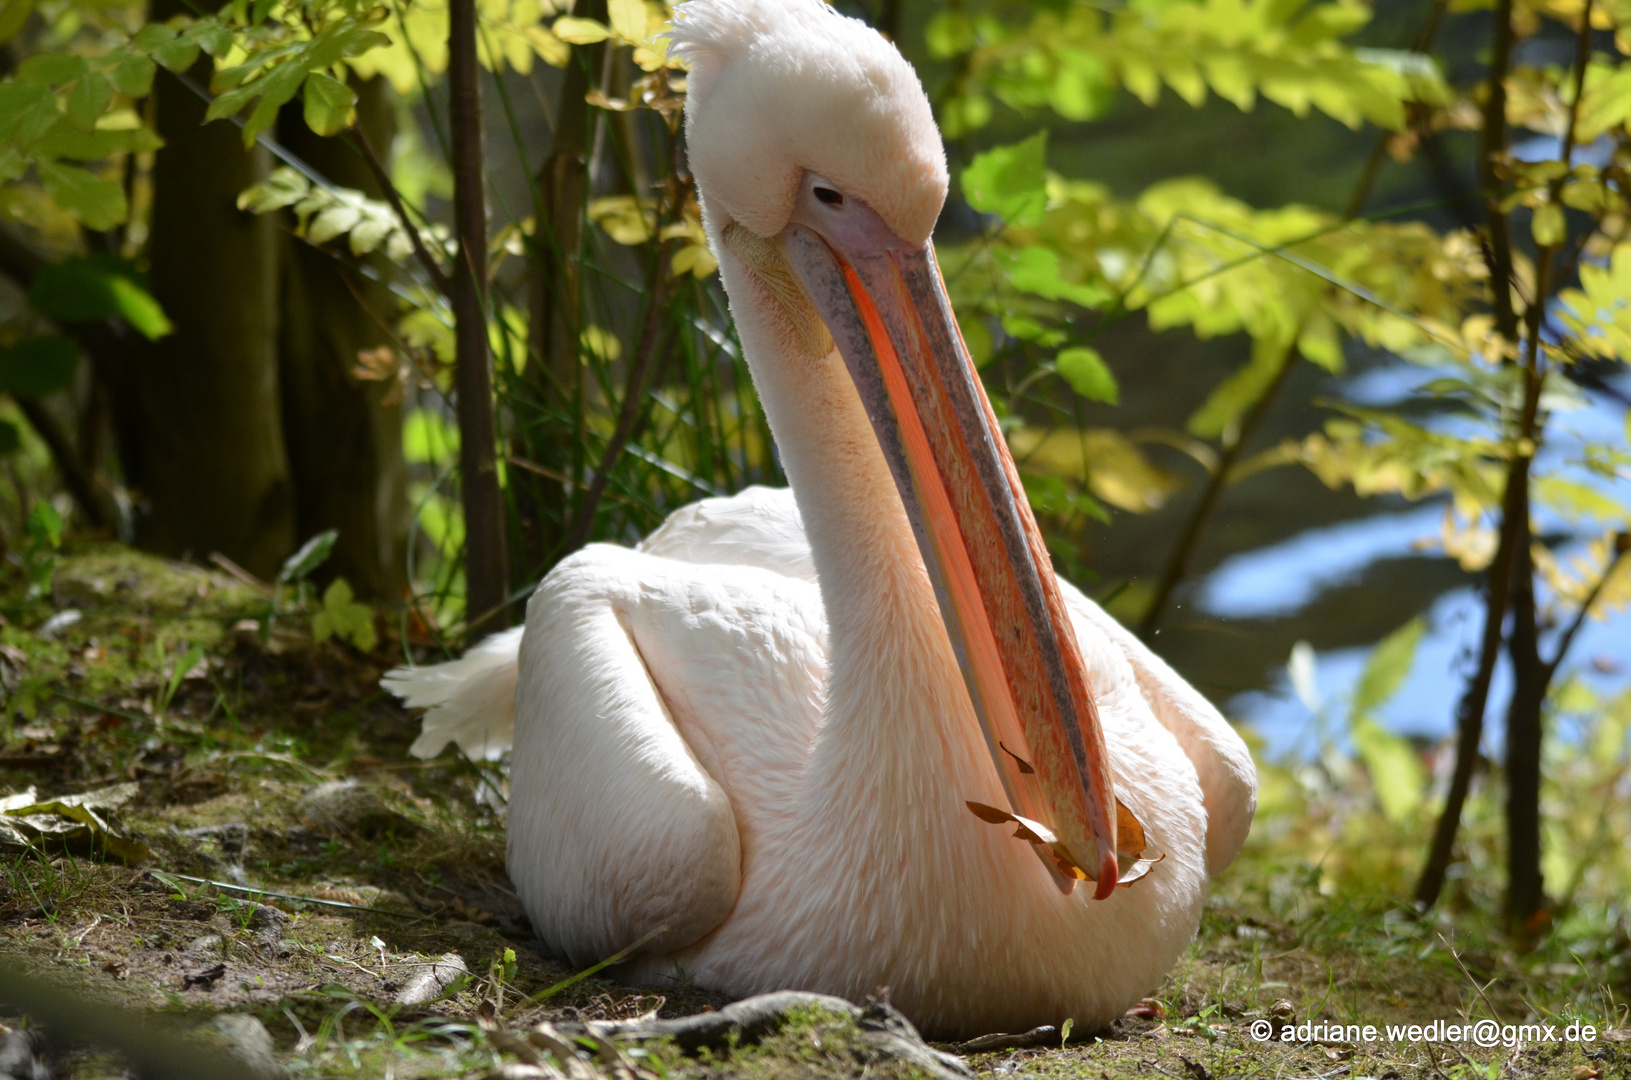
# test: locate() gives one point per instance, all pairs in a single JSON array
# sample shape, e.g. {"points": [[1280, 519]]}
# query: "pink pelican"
{"points": [[857, 734]]}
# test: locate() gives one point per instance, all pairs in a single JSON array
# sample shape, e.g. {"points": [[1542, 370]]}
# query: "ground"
{"points": [[238, 730]]}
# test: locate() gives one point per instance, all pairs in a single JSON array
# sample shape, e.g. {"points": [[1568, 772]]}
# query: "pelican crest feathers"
{"points": [[810, 90]]}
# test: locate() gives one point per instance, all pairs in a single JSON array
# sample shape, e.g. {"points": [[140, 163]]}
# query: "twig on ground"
{"points": [[250, 890]]}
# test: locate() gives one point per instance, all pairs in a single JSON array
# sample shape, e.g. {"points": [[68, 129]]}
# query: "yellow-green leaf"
{"points": [[1606, 105], [98, 203], [51, 68], [1396, 772], [133, 76], [628, 18], [13, 15], [1547, 225], [1009, 181], [1388, 666], [1241, 390], [328, 104], [342, 617], [1086, 372], [576, 31], [89, 99]]}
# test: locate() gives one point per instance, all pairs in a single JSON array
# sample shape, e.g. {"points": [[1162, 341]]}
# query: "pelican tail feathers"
{"points": [[470, 701]]}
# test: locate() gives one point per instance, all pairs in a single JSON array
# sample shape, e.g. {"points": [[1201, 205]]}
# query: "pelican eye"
{"points": [[829, 196]]}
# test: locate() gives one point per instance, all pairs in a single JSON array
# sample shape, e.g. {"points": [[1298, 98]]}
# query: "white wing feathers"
{"points": [[471, 699], [758, 527]]}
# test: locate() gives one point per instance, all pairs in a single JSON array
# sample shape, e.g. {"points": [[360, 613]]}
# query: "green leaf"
{"points": [[312, 554], [328, 104], [1037, 270], [342, 617], [97, 287], [229, 103], [1086, 372], [10, 438], [1241, 390], [27, 111], [38, 366], [428, 438], [628, 19], [154, 35], [98, 203], [1396, 772], [13, 17], [949, 33], [1388, 666], [284, 187], [178, 55], [67, 141], [45, 524], [276, 88], [51, 68], [215, 39], [1547, 225], [133, 76], [340, 41], [89, 99], [1604, 106], [577, 31], [1010, 181]]}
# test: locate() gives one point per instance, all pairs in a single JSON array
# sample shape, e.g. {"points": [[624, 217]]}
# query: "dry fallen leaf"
{"points": [[1128, 831], [70, 821]]}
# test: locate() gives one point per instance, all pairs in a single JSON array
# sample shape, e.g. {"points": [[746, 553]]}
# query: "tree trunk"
{"points": [[554, 371], [1515, 502], [487, 575], [345, 444], [207, 457], [1525, 889], [1475, 698]]}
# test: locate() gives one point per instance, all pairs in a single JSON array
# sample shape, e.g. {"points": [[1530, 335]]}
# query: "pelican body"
{"points": [[856, 735]]}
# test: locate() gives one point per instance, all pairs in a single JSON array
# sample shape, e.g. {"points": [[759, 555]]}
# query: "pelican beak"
{"points": [[886, 307]]}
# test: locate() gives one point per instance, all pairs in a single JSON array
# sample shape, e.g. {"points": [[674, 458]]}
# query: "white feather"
{"points": [[471, 700]]}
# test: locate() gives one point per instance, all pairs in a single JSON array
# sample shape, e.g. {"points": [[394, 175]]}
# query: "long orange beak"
{"points": [[889, 314]]}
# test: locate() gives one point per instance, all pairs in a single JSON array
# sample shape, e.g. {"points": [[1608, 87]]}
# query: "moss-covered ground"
{"points": [[171, 678]]}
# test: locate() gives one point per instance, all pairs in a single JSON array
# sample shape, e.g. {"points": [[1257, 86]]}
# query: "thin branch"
{"points": [[1378, 155], [1622, 546], [1491, 147], [650, 335], [1178, 562], [1582, 60], [437, 275]]}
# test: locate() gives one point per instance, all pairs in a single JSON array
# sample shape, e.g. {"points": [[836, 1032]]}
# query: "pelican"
{"points": [[855, 735]]}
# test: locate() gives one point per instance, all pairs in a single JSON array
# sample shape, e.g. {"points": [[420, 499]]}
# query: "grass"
{"points": [[1306, 928]]}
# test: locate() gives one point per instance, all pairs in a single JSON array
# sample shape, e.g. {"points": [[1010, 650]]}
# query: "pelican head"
{"points": [[821, 174], [782, 89]]}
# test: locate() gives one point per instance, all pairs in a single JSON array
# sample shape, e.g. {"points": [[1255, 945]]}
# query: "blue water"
{"points": [[1281, 580]]}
